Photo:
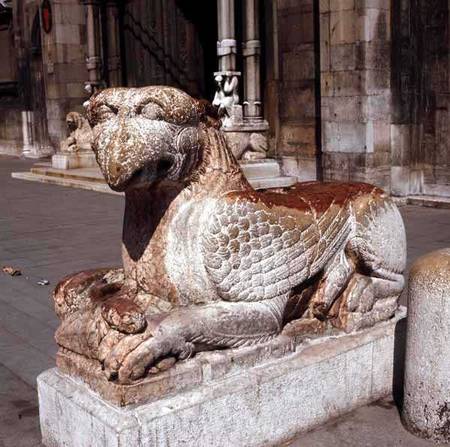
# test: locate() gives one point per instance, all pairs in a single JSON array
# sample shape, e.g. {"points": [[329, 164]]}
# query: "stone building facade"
{"points": [[347, 89]]}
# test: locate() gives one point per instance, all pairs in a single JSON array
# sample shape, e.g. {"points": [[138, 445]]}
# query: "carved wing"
{"points": [[253, 252]]}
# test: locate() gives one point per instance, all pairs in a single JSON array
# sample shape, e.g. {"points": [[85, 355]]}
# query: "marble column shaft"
{"points": [[114, 67], [93, 60], [226, 45], [251, 52]]}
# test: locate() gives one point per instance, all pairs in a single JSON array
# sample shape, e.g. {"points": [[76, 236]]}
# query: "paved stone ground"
{"points": [[50, 231]]}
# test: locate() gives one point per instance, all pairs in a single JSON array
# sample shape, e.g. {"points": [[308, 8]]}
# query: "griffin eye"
{"points": [[105, 112], [152, 111]]}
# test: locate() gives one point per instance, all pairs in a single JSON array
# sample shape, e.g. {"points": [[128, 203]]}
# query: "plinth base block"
{"points": [[74, 161], [265, 404]]}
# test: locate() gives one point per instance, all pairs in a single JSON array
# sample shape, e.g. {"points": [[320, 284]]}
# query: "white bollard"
{"points": [[426, 406]]}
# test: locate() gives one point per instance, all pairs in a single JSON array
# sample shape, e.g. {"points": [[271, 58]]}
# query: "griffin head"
{"points": [[143, 135]]}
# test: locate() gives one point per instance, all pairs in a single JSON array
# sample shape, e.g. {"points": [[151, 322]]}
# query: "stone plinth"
{"points": [[426, 407], [255, 396], [247, 139], [74, 161]]}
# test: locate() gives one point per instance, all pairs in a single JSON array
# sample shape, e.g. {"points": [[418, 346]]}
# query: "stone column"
{"points": [[227, 78], [226, 44], [114, 67], [27, 123], [251, 52], [426, 406], [93, 60]]}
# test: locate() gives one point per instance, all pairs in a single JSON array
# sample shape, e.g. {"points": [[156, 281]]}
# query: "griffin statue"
{"points": [[210, 263]]}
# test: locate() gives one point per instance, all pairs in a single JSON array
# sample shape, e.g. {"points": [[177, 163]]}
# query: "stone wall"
{"points": [[355, 90], [50, 71], [297, 142], [64, 63], [421, 84], [385, 93], [10, 104], [10, 129]]}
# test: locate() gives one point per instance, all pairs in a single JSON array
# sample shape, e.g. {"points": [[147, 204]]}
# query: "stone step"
{"points": [[261, 174], [94, 184], [429, 201], [262, 168], [275, 182], [89, 174], [74, 161], [42, 164], [252, 170], [61, 181]]}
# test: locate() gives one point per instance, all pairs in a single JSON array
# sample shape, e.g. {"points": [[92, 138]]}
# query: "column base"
{"points": [[247, 139], [74, 161]]}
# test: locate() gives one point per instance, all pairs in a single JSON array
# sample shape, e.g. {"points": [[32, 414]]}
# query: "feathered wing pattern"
{"points": [[253, 252]]}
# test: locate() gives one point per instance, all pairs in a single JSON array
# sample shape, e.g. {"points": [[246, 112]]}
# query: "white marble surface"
{"points": [[74, 161], [258, 406]]}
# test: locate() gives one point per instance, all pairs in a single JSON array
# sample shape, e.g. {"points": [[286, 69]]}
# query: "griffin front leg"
{"points": [[179, 333]]}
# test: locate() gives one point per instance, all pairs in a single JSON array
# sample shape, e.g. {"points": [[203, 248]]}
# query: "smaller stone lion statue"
{"points": [[80, 134], [247, 145]]}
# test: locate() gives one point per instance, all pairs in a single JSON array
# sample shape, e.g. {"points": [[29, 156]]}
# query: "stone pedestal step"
{"points": [[61, 181], [264, 168], [252, 170], [263, 174], [263, 397], [429, 201], [92, 174], [274, 182], [74, 161]]}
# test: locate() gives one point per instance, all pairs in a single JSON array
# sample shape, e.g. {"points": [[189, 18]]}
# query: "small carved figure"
{"points": [[80, 134], [208, 262], [226, 97]]}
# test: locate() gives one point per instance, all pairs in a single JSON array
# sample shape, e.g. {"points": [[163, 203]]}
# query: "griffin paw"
{"points": [[135, 355]]}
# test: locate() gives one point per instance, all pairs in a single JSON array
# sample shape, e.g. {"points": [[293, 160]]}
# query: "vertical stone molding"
{"points": [[113, 64], [226, 44], [426, 408], [93, 60], [28, 148], [251, 48], [227, 78]]}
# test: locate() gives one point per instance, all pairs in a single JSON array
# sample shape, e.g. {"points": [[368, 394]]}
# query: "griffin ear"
{"points": [[208, 113], [88, 104]]}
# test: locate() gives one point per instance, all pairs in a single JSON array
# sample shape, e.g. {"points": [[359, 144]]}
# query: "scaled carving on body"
{"points": [[208, 262]]}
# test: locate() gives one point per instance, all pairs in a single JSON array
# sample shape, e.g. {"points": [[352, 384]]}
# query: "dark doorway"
{"points": [[171, 42]]}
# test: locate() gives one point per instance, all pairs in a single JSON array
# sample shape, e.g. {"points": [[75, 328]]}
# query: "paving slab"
{"points": [[19, 422], [374, 425]]}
